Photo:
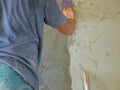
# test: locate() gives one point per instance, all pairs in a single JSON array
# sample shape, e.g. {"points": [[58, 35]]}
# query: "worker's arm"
{"points": [[69, 27], [56, 19]]}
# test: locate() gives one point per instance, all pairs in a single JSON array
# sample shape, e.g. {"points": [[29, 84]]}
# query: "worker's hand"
{"points": [[69, 13]]}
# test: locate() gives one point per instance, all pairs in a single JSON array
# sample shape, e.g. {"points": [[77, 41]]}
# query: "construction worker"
{"points": [[21, 38]]}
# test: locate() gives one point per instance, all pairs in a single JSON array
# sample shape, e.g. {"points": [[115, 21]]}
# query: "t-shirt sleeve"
{"points": [[53, 15]]}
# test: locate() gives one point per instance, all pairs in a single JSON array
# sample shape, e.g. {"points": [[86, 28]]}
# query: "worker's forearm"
{"points": [[69, 27]]}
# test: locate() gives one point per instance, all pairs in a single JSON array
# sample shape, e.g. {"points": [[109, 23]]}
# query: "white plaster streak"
{"points": [[86, 80]]}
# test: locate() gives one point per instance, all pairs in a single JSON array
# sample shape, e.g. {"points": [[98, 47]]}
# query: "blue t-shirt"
{"points": [[21, 34]]}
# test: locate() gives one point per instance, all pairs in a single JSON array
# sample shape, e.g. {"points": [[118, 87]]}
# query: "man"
{"points": [[21, 37]]}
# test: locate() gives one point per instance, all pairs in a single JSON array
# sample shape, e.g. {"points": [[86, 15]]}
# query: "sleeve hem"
{"points": [[62, 22]]}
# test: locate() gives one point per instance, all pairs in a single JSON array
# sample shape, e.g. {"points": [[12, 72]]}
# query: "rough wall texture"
{"points": [[54, 73], [95, 46]]}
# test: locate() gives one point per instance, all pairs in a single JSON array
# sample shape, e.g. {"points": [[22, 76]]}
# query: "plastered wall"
{"points": [[54, 67], [95, 45]]}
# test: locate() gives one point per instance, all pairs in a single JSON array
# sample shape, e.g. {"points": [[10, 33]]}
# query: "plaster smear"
{"points": [[95, 45]]}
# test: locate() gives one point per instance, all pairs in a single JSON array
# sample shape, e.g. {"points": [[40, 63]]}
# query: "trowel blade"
{"points": [[67, 3]]}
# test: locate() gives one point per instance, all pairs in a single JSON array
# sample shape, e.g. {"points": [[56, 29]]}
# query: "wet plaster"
{"points": [[95, 45]]}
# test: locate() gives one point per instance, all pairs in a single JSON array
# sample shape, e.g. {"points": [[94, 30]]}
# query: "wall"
{"points": [[54, 73], [95, 46]]}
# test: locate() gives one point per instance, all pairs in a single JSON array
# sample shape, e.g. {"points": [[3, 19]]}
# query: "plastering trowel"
{"points": [[67, 4]]}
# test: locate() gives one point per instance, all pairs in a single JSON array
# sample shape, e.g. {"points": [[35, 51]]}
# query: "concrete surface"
{"points": [[54, 69], [95, 46]]}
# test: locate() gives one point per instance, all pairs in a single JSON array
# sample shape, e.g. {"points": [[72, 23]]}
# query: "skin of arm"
{"points": [[69, 27]]}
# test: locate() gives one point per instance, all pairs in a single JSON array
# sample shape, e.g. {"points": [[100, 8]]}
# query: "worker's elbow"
{"points": [[68, 28], [70, 31]]}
